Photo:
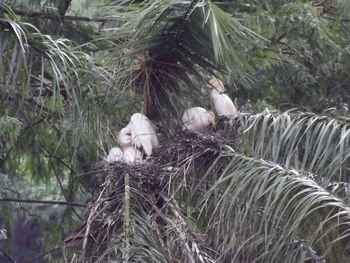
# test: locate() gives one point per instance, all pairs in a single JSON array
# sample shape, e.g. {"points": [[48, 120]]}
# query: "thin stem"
{"points": [[7, 256], [43, 202]]}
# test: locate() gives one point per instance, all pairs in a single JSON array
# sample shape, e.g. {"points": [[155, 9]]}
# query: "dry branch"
{"points": [[42, 202], [103, 233]]}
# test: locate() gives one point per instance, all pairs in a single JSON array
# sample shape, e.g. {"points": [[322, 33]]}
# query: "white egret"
{"points": [[132, 155], [217, 84], [143, 134], [124, 137], [222, 103], [115, 154], [198, 119]]}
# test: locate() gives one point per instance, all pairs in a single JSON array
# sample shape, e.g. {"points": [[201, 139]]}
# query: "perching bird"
{"points": [[222, 103], [115, 154], [217, 84], [198, 119], [124, 137], [132, 155], [143, 134]]}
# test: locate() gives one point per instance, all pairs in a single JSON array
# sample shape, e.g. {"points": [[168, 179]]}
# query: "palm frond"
{"points": [[35, 65], [47, 79], [172, 46], [259, 211], [193, 195], [303, 141]]}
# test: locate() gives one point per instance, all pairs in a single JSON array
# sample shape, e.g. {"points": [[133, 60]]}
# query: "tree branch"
{"points": [[336, 19], [43, 202], [319, 3], [63, 7], [7, 256]]}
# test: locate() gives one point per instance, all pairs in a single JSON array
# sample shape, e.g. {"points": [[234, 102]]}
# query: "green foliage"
{"points": [[307, 60], [9, 131], [68, 84], [173, 45], [304, 141], [266, 213]]}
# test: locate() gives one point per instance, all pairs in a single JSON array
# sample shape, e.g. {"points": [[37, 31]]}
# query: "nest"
{"points": [[179, 145], [127, 191]]}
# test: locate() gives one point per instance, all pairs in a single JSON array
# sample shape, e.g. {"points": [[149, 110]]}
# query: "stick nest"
{"points": [[127, 191]]}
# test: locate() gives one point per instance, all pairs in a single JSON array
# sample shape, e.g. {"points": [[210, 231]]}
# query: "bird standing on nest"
{"points": [[222, 103], [138, 135], [124, 137], [198, 119], [143, 133], [130, 153]]}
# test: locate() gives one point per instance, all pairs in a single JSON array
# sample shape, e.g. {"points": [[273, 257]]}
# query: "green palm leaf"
{"points": [[261, 212], [303, 141], [173, 45]]}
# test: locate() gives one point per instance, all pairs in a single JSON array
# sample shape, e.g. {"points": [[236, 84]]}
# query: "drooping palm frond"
{"points": [[304, 141], [258, 211], [47, 79], [196, 202], [172, 46], [34, 66]]}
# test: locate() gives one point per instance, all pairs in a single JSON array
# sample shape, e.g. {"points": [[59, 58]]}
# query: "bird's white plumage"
{"points": [[132, 155], [197, 119], [223, 104], [143, 133], [115, 154], [217, 84], [124, 137]]}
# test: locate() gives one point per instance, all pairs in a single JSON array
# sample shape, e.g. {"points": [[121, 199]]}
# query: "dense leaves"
{"points": [[270, 185]]}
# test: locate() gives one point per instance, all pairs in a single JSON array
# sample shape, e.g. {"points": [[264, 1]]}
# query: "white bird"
{"points": [[143, 134], [124, 137], [132, 155], [198, 119], [115, 154], [222, 103], [217, 84]]}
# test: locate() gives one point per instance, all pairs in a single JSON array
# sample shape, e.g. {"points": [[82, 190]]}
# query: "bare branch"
{"points": [[43, 202], [7, 256]]}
